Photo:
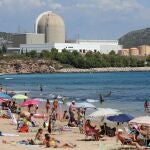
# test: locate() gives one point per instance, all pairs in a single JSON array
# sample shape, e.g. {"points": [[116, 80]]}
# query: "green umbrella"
{"points": [[20, 97]]}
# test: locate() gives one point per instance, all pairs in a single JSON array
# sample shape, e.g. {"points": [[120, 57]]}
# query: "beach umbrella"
{"points": [[2, 100], [103, 112], [82, 105], [30, 102], [120, 118], [5, 96], [40, 99], [144, 120], [20, 97]]}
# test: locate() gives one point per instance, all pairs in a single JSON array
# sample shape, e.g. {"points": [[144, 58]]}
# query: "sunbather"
{"points": [[91, 130], [51, 142], [126, 140], [39, 138]]}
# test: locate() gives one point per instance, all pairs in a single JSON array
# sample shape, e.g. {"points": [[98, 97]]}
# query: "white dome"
{"points": [[52, 26]]}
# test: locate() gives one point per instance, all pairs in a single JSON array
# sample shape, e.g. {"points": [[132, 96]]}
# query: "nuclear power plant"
{"points": [[50, 33], [52, 26]]}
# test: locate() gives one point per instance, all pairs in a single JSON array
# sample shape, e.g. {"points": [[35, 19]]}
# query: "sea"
{"points": [[128, 90]]}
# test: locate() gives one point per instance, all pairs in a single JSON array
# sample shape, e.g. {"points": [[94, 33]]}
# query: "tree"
{"points": [[45, 54], [1, 52], [54, 53], [4, 49], [112, 52], [33, 54]]}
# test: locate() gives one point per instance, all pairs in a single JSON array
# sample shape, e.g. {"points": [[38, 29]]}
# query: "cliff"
{"points": [[135, 38], [26, 66]]}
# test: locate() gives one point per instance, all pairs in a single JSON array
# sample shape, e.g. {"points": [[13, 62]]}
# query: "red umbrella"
{"points": [[29, 102]]}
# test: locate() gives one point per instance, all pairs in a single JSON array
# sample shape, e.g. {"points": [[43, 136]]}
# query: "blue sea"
{"points": [[129, 90]]}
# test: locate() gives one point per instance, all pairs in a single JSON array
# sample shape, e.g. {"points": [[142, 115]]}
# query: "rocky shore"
{"points": [[26, 66], [109, 69], [47, 66]]}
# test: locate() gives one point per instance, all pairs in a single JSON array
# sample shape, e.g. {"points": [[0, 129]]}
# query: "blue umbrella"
{"points": [[120, 118], [5, 96]]}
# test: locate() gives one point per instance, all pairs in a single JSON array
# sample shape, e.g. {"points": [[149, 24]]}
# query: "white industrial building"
{"points": [[83, 46], [50, 33]]}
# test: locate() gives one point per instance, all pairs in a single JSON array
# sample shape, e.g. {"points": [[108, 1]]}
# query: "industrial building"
{"points": [[52, 26], [80, 46], [143, 50], [28, 38], [50, 33]]}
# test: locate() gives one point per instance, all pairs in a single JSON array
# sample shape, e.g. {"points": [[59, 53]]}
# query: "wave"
{"points": [[9, 78], [92, 100], [17, 92]]}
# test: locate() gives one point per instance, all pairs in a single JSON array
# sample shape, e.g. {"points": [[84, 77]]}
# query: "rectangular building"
{"points": [[80, 46], [28, 38]]}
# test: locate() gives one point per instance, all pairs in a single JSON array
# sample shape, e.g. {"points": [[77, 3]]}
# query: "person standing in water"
{"points": [[101, 98], [41, 88], [146, 105]]}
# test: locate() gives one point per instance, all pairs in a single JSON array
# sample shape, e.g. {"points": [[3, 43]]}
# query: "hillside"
{"points": [[6, 36], [136, 38]]}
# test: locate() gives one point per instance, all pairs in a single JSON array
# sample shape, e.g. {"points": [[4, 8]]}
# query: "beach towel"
{"points": [[7, 134], [24, 129]]}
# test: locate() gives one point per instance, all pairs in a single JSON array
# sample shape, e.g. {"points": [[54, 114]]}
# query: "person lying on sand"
{"points": [[39, 139], [127, 140], [51, 142]]}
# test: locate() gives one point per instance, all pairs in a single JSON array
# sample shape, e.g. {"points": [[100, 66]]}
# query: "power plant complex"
{"points": [[50, 33]]}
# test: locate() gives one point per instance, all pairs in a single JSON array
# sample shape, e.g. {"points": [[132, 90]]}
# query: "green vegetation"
{"points": [[136, 38], [88, 60]]}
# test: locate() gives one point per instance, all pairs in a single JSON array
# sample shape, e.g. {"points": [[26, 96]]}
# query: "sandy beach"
{"points": [[73, 136]]}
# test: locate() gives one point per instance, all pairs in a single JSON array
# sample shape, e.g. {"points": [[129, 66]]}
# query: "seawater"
{"points": [[129, 89]]}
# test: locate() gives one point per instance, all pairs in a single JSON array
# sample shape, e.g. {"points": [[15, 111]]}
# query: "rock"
{"points": [[27, 66]]}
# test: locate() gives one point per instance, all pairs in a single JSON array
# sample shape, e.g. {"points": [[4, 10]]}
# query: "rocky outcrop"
{"points": [[26, 66]]}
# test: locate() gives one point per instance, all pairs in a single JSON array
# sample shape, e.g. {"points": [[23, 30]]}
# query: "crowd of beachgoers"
{"points": [[25, 113]]}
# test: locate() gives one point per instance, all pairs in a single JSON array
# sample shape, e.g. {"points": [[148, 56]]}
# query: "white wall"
{"points": [[101, 47]]}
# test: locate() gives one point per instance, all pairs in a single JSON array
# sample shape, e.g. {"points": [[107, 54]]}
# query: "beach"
{"points": [[84, 87], [73, 136]]}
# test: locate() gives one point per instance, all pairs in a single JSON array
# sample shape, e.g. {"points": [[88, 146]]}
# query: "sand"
{"points": [[72, 136]]}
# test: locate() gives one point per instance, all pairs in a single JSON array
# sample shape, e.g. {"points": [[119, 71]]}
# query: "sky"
{"points": [[84, 19]]}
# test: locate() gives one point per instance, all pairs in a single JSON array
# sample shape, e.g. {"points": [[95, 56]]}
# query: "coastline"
{"points": [[78, 70], [108, 69]]}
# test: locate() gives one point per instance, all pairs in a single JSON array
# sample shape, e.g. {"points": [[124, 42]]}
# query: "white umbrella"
{"points": [[40, 99], [85, 105], [103, 112], [82, 105], [145, 120]]}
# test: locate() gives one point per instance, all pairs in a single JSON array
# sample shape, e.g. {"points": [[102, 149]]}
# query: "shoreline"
{"points": [[108, 69], [91, 70]]}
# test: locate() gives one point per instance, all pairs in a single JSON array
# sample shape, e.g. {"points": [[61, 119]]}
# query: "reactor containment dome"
{"points": [[52, 26]]}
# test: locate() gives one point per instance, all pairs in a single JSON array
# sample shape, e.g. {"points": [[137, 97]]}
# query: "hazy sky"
{"points": [[86, 19]]}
